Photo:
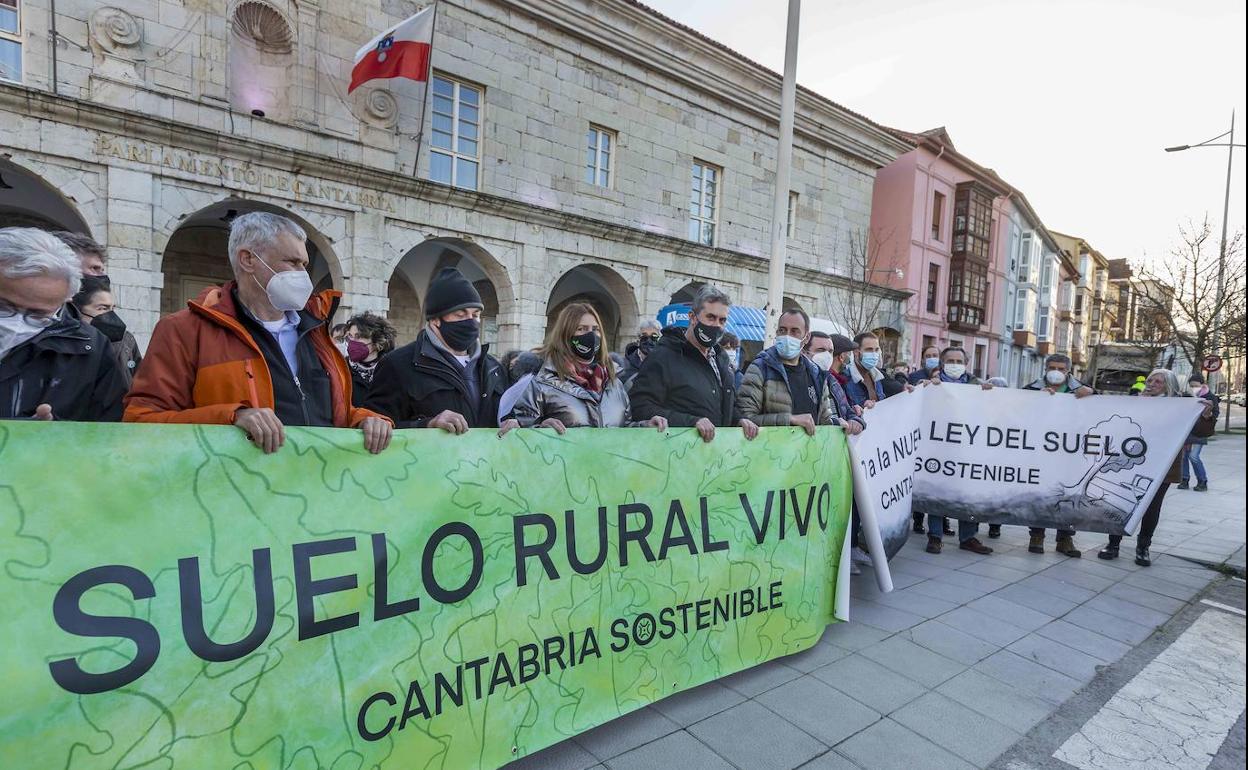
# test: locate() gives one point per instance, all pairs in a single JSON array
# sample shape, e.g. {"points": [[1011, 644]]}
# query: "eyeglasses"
{"points": [[32, 317], [649, 336]]}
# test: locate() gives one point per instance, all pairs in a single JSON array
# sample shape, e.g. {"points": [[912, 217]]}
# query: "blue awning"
{"points": [[748, 323]]}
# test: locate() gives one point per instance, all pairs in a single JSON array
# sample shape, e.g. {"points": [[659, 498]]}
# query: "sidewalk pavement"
{"points": [[963, 658]]}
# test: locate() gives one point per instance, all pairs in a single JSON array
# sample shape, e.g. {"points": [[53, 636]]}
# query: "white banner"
{"points": [[1006, 456]]}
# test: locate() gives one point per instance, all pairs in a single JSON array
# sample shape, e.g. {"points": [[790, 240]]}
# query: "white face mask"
{"points": [[954, 371], [1054, 377], [288, 290], [823, 360], [14, 331]]}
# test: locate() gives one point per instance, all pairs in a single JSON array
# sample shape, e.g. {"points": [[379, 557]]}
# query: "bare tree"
{"points": [[858, 303], [1180, 292]]}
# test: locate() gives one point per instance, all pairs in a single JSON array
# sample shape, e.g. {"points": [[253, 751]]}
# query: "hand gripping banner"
{"points": [[175, 598]]}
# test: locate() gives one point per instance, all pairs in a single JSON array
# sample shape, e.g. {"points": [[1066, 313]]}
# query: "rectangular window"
{"points": [[928, 342], [703, 202], [600, 145], [10, 41], [933, 282], [1024, 258], [1079, 303], [1020, 311], [981, 353], [455, 142], [1046, 277], [790, 225], [938, 215]]}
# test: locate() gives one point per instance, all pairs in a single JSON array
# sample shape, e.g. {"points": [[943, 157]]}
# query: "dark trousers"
{"points": [[1144, 538], [1039, 532]]}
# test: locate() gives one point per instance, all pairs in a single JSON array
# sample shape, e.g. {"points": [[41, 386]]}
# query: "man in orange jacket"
{"points": [[256, 352]]}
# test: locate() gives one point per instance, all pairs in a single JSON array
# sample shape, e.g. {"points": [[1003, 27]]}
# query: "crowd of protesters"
{"points": [[259, 353]]}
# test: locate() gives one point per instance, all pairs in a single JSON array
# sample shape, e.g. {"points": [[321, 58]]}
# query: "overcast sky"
{"points": [[1071, 101]]}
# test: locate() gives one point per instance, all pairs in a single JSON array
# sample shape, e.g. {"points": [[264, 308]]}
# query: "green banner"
{"points": [[174, 598]]}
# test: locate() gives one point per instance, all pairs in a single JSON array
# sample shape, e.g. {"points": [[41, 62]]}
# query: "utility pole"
{"points": [[784, 164]]}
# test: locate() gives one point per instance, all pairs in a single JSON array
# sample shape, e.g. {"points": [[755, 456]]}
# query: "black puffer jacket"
{"points": [[417, 382], [676, 381], [69, 366]]}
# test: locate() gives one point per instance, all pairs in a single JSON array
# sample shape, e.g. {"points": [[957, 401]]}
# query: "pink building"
{"points": [[933, 216]]}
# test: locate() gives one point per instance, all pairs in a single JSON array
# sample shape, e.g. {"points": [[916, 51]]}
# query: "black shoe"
{"points": [[974, 546], [918, 527], [1182, 485], [1201, 487], [1109, 553], [994, 530], [949, 529], [1141, 556]]}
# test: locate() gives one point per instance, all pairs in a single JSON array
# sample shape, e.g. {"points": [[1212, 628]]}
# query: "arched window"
{"points": [[261, 59]]}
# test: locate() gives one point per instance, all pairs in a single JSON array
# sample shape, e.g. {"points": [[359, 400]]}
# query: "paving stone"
{"points": [[1053, 586], [1057, 656], [748, 735], [973, 580], [760, 678], [1067, 574], [950, 592], [1036, 599], [997, 700], [883, 618], [1146, 598], [819, 709], [1088, 642], [907, 600], [1026, 562], [566, 755], [1136, 613], [963, 731], [698, 703], [870, 683], [823, 653], [921, 569], [829, 761], [939, 637], [983, 626], [1163, 587], [988, 569], [625, 733], [1014, 614], [681, 747], [887, 745], [1031, 678], [1108, 625], [913, 662], [853, 636]]}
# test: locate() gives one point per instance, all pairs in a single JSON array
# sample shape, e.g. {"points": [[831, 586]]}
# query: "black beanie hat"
{"points": [[450, 291]]}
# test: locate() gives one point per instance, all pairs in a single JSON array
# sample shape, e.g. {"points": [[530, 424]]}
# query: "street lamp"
{"points": [[1226, 208]]}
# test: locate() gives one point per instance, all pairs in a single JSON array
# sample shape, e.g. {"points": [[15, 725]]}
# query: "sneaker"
{"points": [[1201, 487], [854, 569], [1141, 556], [1066, 545], [1183, 485], [974, 546], [1036, 545], [859, 556], [933, 544], [1108, 553], [949, 529], [994, 530]]}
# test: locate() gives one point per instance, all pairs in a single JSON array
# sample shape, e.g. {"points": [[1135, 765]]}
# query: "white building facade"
{"points": [[569, 149]]}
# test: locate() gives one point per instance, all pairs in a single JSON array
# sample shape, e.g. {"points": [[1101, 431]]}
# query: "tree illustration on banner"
{"points": [[1107, 481]]}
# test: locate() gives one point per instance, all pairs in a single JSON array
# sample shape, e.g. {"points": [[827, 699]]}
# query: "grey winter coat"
{"points": [[551, 395]]}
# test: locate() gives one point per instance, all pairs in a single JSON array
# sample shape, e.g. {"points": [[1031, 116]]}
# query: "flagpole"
{"points": [[784, 163], [424, 103]]}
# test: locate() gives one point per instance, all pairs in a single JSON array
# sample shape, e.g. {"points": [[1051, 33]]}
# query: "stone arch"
{"points": [[604, 289], [195, 255], [28, 200], [687, 292], [419, 264]]}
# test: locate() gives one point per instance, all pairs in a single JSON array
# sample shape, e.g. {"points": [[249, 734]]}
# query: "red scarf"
{"points": [[591, 376]]}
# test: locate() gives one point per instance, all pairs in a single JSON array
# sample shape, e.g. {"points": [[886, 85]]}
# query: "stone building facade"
{"points": [[151, 123]]}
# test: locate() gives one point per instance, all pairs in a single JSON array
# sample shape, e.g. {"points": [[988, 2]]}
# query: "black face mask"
{"points": [[586, 345], [110, 325], [460, 335], [646, 344], [707, 336]]}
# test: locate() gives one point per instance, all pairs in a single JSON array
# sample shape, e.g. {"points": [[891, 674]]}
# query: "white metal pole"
{"points": [[784, 163], [1217, 324]]}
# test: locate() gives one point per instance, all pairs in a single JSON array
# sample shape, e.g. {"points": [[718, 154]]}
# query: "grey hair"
{"points": [[651, 323], [1172, 382], [256, 229], [998, 382], [1057, 358], [26, 252], [708, 294]]}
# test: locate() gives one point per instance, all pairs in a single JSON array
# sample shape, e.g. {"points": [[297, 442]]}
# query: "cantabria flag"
{"points": [[400, 52]]}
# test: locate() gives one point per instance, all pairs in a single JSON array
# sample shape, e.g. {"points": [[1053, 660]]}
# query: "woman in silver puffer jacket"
{"points": [[577, 386]]}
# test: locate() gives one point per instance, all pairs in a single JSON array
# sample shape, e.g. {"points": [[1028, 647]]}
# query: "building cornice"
{"points": [[733, 79], [128, 123]]}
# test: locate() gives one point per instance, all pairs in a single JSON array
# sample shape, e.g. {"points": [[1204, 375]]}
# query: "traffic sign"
{"points": [[1212, 363]]}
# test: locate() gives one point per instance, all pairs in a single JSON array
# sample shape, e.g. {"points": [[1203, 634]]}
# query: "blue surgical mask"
{"points": [[870, 359], [788, 348], [931, 363]]}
